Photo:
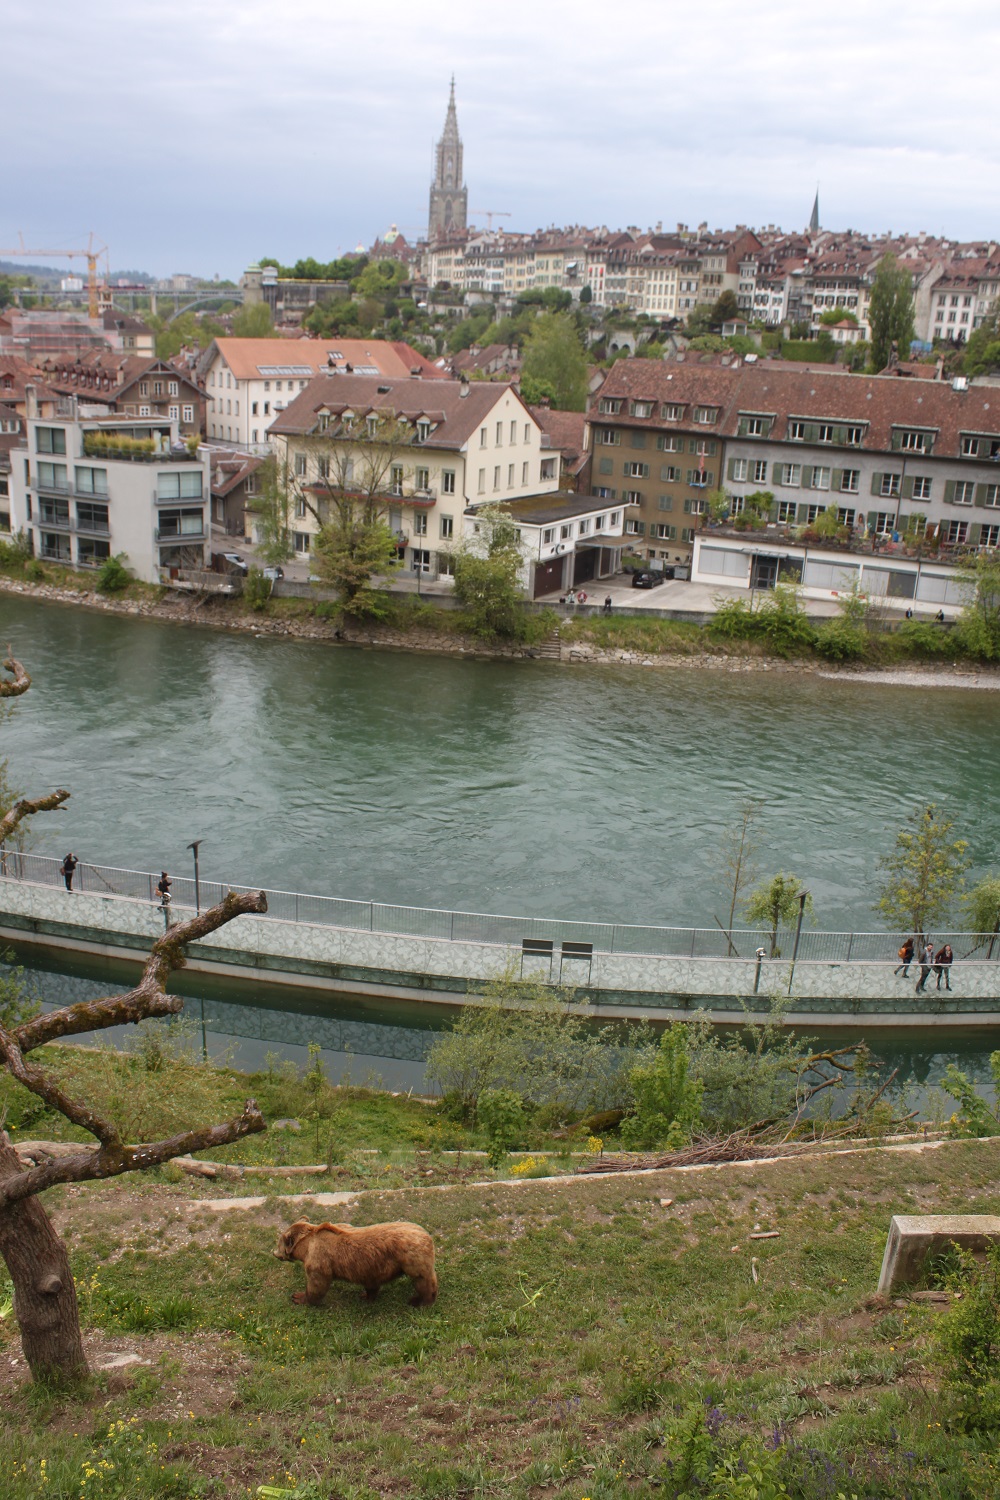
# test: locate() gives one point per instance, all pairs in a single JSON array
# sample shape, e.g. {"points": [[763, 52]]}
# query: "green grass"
{"points": [[582, 1333]]}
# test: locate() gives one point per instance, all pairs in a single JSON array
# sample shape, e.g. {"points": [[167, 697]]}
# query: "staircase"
{"points": [[549, 649]]}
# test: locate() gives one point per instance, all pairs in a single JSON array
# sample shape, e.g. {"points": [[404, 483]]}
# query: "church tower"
{"points": [[449, 201]]}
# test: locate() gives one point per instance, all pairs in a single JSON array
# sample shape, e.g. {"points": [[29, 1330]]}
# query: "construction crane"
{"points": [[91, 255], [491, 214]]}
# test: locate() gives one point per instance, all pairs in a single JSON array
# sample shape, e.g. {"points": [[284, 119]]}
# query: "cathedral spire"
{"points": [[814, 216], [449, 199]]}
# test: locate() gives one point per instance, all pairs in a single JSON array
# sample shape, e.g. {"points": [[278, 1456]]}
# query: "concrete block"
{"points": [[912, 1237]]}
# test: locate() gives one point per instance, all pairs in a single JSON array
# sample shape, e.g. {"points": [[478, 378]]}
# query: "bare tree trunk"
{"points": [[44, 1295]]}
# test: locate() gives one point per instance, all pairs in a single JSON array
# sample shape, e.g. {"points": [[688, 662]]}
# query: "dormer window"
{"points": [[610, 406], [423, 430], [671, 413], [642, 408], [706, 415], [324, 421], [371, 422]]}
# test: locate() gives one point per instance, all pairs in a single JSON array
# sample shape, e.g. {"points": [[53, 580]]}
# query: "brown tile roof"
{"points": [[456, 416], [227, 473], [566, 432], [396, 360]]}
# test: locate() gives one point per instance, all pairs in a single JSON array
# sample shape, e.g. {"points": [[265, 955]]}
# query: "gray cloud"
{"points": [[194, 139]]}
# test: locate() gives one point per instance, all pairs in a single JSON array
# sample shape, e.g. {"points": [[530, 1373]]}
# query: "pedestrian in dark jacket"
{"points": [[943, 960], [906, 955], [926, 965], [163, 886], [67, 867]]}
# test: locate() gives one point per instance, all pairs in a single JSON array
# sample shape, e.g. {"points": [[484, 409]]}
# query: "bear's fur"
{"points": [[369, 1256]]}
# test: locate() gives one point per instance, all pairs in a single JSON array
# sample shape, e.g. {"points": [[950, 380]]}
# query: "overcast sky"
{"points": [[195, 137]]}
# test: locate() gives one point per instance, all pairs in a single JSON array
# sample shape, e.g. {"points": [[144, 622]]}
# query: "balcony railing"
{"points": [[51, 486], [56, 554], [94, 528], [55, 523], [165, 534]]}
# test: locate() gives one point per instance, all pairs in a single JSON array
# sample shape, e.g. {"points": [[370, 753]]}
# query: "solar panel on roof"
{"points": [[284, 369]]}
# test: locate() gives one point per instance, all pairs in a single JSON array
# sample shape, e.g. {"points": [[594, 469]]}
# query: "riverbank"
{"points": [[421, 628]]}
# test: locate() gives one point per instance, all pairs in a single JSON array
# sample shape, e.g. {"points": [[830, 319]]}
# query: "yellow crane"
{"points": [[91, 255]]}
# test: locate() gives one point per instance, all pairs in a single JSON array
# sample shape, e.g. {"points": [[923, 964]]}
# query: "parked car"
{"points": [[646, 580], [230, 562], [274, 574]]}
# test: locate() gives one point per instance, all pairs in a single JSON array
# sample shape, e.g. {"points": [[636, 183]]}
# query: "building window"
{"points": [[513, 433], [510, 476], [174, 413], [143, 387], [820, 478], [845, 517], [989, 536], [670, 443], [636, 471], [889, 486], [786, 511], [755, 427], [91, 516], [50, 440], [447, 481], [301, 540], [759, 471], [419, 525], [826, 433], [970, 447], [524, 472], [706, 415], [850, 481], [447, 527], [671, 413], [172, 388], [300, 510], [482, 481], [422, 479], [913, 442], [921, 487], [253, 409], [955, 533], [183, 486], [584, 528], [885, 523], [609, 436], [740, 469], [267, 408], [396, 479], [496, 477], [499, 442], [91, 481], [797, 432], [482, 437], [791, 475], [965, 492], [632, 497], [300, 465], [323, 467], [633, 528], [527, 432], [992, 496]]}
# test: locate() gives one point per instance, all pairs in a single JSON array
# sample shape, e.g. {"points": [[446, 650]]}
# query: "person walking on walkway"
{"points": [[607, 604], [943, 960], [926, 965], [906, 955], [163, 886], [67, 867]]}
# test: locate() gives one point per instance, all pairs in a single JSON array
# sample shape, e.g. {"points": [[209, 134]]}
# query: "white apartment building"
{"points": [[435, 450], [86, 489], [249, 382]]}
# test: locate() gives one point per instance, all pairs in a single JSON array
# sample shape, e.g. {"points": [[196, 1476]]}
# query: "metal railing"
{"points": [[500, 930]]}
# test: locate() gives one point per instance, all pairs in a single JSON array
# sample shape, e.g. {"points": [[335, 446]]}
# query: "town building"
{"points": [[430, 451], [249, 382], [84, 489], [448, 208], [289, 298], [136, 385], [566, 540]]}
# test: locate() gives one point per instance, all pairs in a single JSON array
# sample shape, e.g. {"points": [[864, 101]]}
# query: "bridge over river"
{"points": [[444, 958]]}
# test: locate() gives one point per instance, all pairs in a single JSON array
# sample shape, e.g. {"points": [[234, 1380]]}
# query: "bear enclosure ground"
{"points": [[580, 1324]]}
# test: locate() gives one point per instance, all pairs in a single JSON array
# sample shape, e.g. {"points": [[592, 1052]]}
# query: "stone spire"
{"points": [[449, 200], [814, 216]]}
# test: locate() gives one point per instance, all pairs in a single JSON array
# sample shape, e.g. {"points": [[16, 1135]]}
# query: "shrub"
{"points": [[667, 1098], [256, 589], [842, 640], [968, 1345], [921, 638], [113, 576], [501, 1116], [33, 571], [783, 623]]}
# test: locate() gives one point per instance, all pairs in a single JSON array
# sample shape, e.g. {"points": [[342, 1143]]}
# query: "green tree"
{"points": [[586, 294], [726, 308], [535, 392], [838, 314], [776, 902], [667, 1098], [253, 321], [488, 576], [977, 630], [737, 858], [272, 515], [924, 873], [890, 312], [982, 904], [982, 352], [553, 352]]}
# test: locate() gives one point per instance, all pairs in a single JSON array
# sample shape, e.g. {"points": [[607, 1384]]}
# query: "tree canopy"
{"points": [[890, 312], [554, 353], [923, 875]]}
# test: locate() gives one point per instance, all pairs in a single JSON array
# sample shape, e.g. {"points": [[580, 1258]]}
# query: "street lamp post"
{"points": [[803, 898], [197, 888]]}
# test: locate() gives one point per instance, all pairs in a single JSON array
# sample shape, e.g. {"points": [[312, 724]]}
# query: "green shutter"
{"points": [[710, 447], [709, 476], [642, 528], [692, 445], [772, 513], [731, 469], [687, 507], [742, 427], [605, 466], [645, 471], [949, 491], [907, 486], [638, 440], [980, 496], [671, 533], [876, 484], [975, 531], [812, 432], [872, 518], [625, 468], [801, 513], [807, 476], [666, 502], [836, 479]]}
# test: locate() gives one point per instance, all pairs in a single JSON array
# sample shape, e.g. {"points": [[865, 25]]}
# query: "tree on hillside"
{"points": [[726, 308], [488, 575], [983, 906], [890, 313], [253, 321], [737, 859], [553, 352], [45, 1302], [924, 874], [982, 352], [978, 628]]}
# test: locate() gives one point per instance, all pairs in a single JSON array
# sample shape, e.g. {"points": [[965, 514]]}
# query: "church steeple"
{"points": [[449, 199], [814, 216]]}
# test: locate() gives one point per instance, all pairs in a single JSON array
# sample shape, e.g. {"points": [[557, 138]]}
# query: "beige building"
{"points": [[429, 451]]}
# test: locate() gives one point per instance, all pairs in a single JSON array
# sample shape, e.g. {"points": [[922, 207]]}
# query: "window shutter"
{"points": [[625, 468], [638, 440], [605, 466], [836, 479], [709, 476], [743, 427], [671, 533], [980, 496], [807, 476], [692, 445], [645, 471], [872, 517], [949, 491], [642, 528], [974, 533], [772, 511], [802, 513], [687, 507], [876, 484], [731, 469], [907, 486], [812, 432], [666, 502]]}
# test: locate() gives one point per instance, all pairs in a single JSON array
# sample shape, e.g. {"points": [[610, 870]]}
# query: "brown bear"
{"points": [[369, 1256]]}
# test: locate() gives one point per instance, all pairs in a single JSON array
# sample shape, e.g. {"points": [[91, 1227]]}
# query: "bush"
{"points": [[33, 571], [257, 590], [667, 1098], [15, 553], [783, 624], [921, 638], [501, 1116], [968, 1345], [113, 576], [842, 640]]}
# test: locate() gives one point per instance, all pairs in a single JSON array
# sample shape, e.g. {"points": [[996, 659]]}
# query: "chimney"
{"points": [[463, 385]]}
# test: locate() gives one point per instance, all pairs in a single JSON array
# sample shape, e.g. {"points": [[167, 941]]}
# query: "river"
{"points": [[525, 787]]}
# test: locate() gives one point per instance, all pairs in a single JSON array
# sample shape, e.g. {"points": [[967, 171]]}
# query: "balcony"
{"points": [[103, 445], [169, 534], [93, 528]]}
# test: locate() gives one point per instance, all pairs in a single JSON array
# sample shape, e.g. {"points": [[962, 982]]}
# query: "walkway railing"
{"points": [[484, 927]]}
